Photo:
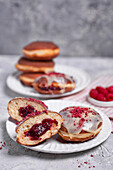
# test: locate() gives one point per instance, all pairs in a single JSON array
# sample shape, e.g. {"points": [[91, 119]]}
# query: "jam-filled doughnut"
{"points": [[27, 65], [36, 129], [54, 83], [41, 50], [80, 123], [28, 78], [19, 108]]}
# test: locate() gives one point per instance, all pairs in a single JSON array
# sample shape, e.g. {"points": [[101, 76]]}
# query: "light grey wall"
{"points": [[79, 27]]}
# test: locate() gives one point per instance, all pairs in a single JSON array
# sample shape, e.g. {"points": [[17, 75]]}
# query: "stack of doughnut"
{"points": [[37, 67], [36, 123], [37, 60]]}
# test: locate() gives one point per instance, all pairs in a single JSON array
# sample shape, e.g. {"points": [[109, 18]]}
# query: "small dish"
{"points": [[100, 103]]}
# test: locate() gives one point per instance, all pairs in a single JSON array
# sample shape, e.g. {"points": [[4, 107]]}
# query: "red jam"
{"points": [[24, 111], [39, 129], [33, 114], [50, 88]]}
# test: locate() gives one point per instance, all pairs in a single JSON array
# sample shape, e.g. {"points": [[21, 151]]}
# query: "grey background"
{"points": [[79, 27]]}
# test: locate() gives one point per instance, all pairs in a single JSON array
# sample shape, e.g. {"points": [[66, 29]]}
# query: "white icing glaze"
{"points": [[55, 78], [61, 79], [75, 125]]}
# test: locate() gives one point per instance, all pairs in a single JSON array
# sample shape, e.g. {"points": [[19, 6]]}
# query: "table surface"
{"points": [[14, 156]]}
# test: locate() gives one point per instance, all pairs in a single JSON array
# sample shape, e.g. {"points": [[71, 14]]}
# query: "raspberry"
{"points": [[93, 93], [101, 97], [110, 97], [110, 89], [102, 90]]}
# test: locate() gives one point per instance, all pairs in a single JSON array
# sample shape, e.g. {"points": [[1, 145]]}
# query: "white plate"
{"points": [[100, 103], [54, 145], [81, 77]]}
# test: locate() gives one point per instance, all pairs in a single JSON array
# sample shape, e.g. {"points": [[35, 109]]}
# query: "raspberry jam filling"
{"points": [[53, 81], [50, 88], [39, 129], [24, 111]]}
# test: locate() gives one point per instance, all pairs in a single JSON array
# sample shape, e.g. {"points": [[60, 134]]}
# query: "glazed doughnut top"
{"points": [[77, 119], [57, 77], [47, 81]]}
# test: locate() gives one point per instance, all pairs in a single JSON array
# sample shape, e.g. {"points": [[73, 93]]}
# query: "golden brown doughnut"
{"points": [[19, 108], [27, 65], [36, 129], [80, 123], [28, 78], [54, 83], [41, 50]]}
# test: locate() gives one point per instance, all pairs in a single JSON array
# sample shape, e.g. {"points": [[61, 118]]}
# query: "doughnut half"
{"points": [[54, 83], [41, 50], [27, 65], [19, 108], [38, 128], [28, 78]]}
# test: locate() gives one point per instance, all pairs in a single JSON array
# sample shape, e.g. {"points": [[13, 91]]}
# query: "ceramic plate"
{"points": [[56, 144], [81, 77], [100, 103]]}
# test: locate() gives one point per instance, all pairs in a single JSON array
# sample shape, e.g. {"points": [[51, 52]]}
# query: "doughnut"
{"points": [[36, 129], [80, 123], [27, 65], [54, 83], [20, 108], [41, 50], [28, 78]]}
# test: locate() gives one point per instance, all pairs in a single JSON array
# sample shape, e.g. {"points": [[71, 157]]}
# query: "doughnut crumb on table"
{"points": [[41, 50], [26, 65], [54, 83], [80, 123], [20, 108], [36, 129]]}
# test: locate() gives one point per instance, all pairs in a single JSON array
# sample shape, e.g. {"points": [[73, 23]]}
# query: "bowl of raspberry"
{"points": [[101, 96]]}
